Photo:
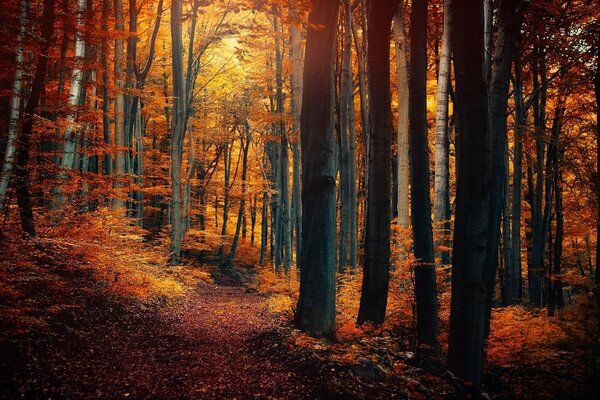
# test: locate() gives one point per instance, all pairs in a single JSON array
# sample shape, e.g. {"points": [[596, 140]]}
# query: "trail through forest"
{"points": [[218, 342]]}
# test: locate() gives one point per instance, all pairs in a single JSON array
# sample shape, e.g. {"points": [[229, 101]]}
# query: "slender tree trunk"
{"points": [[467, 314], [105, 89], [508, 28], [344, 105], [597, 93], [425, 284], [284, 178], [264, 228], [536, 268], [374, 293], [245, 144], [296, 84], [512, 273], [441, 210], [72, 136], [15, 105], [177, 130], [24, 138], [316, 304], [403, 92], [119, 101]]}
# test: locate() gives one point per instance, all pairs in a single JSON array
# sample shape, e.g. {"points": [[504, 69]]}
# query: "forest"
{"points": [[300, 199]]}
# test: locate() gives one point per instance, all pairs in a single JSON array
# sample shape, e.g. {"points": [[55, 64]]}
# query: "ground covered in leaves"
{"points": [[68, 331], [104, 318]]}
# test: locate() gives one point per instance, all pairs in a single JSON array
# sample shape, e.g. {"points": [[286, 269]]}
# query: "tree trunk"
{"points": [[374, 293], [284, 168], [105, 89], [597, 93], [71, 136], [441, 202], [177, 130], [346, 91], [245, 144], [119, 102], [425, 284], [316, 303], [467, 314], [15, 105], [24, 138], [508, 28], [536, 267], [512, 273], [296, 84]]}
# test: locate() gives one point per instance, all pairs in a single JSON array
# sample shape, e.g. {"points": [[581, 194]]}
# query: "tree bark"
{"points": [[508, 28], [24, 138], [316, 303], [441, 202], [177, 130], [15, 104], [403, 91], [119, 102], [296, 84], [467, 314], [425, 284], [374, 293]]}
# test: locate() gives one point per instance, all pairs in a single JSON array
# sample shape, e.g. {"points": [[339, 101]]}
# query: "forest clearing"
{"points": [[300, 199]]}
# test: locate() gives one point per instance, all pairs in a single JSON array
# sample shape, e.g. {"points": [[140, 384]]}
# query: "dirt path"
{"points": [[219, 342]]}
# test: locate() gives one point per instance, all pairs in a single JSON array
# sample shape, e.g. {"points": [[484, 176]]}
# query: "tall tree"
{"points": [[346, 95], [425, 284], [374, 293], [508, 29], [177, 129], [296, 85], [316, 303], [71, 135], [467, 313], [402, 84], [119, 72], [442, 140], [15, 104], [24, 138]]}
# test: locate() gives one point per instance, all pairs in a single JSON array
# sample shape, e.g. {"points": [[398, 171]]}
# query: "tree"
{"points": [[177, 130], [374, 293], [442, 212], [24, 138], [15, 105], [425, 285], [508, 29], [467, 313], [403, 95], [315, 313]]}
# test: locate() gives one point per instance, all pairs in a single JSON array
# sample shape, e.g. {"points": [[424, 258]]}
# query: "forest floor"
{"points": [[70, 330], [97, 314]]}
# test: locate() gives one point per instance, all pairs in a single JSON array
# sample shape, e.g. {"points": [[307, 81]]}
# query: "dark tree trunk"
{"points": [[425, 285], [374, 294], [316, 304], [467, 314], [508, 28], [24, 138], [245, 144]]}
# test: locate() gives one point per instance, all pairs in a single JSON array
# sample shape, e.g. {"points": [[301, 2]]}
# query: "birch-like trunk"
{"points": [[72, 132], [441, 202], [402, 127], [15, 105]]}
